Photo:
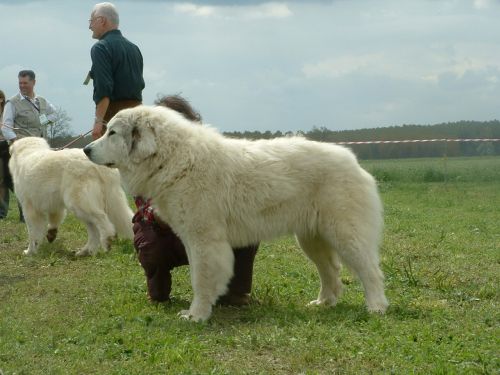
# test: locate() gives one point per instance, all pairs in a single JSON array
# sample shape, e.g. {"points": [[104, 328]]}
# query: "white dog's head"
{"points": [[28, 147], [129, 139]]}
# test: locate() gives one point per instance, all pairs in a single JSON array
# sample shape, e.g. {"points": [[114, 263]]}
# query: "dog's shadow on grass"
{"points": [[57, 249], [261, 312], [11, 279]]}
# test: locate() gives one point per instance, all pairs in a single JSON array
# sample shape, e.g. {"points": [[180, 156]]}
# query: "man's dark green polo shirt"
{"points": [[116, 68]]}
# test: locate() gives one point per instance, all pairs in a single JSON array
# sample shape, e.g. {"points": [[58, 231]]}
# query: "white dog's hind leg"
{"points": [[107, 233], [92, 244], [328, 266], [37, 226], [211, 268], [372, 279], [106, 230], [99, 229], [361, 256], [55, 219]]}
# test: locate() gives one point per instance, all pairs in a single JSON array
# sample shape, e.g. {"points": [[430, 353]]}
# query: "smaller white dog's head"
{"points": [[129, 139], [28, 147], [28, 143]]}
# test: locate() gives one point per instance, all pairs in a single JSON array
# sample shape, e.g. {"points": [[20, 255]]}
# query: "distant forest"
{"points": [[450, 130]]}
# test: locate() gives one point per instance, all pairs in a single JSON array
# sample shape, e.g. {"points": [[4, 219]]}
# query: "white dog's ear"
{"points": [[143, 142]]}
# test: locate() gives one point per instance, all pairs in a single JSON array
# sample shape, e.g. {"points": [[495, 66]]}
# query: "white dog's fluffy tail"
{"points": [[117, 207]]}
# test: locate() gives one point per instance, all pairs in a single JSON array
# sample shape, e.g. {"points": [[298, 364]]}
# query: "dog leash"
{"points": [[74, 140], [57, 149], [78, 138], [17, 129]]}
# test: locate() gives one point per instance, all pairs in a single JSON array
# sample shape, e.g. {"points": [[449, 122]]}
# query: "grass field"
{"points": [[440, 255]]}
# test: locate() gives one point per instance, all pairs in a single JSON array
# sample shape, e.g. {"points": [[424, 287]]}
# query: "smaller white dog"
{"points": [[48, 182]]}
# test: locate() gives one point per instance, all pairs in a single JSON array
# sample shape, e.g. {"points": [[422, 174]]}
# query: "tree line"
{"points": [[449, 130]]}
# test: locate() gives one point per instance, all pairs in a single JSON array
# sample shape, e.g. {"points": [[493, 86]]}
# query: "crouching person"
{"points": [[160, 250]]}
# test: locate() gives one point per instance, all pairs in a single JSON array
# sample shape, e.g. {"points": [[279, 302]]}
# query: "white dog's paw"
{"points": [[184, 314], [187, 315], [109, 242], [84, 252], [323, 302], [378, 307], [28, 251]]}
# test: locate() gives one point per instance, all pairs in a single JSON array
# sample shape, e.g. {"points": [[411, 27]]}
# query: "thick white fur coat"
{"points": [[218, 193], [48, 182]]}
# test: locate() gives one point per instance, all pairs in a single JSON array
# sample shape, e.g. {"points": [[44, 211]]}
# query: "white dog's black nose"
{"points": [[87, 150]]}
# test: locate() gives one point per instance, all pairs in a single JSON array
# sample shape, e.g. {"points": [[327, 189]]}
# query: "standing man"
{"points": [[117, 67], [25, 114]]}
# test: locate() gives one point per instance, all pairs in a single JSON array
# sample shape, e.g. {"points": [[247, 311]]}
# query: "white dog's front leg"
{"points": [[211, 268], [32, 248], [199, 311], [35, 241], [92, 244]]}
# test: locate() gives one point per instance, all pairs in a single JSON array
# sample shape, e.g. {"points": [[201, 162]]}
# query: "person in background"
{"points": [[4, 152], [117, 67], [160, 250], [25, 114]]}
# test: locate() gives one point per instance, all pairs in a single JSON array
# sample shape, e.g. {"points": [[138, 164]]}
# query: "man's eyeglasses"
{"points": [[91, 21]]}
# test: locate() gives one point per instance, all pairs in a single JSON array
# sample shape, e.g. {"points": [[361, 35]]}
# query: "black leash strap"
{"points": [[33, 104]]}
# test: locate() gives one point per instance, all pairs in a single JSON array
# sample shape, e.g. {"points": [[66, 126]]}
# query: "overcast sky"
{"points": [[283, 65]]}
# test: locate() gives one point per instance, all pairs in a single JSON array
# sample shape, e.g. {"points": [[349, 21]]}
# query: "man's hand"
{"points": [[97, 130], [100, 113]]}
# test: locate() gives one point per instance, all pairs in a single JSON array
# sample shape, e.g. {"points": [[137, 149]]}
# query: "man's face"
{"points": [[96, 24], [26, 85]]}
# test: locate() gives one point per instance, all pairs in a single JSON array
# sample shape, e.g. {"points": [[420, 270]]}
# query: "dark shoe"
{"points": [[234, 300], [159, 299]]}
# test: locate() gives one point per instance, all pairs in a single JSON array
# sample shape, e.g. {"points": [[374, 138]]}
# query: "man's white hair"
{"points": [[108, 11]]}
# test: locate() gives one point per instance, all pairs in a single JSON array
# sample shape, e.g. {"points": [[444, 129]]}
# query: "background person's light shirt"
{"points": [[9, 114]]}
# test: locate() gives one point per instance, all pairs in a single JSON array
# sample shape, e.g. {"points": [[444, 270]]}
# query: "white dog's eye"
{"points": [[111, 132]]}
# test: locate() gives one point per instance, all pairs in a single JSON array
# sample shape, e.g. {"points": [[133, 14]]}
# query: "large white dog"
{"points": [[47, 182], [219, 193]]}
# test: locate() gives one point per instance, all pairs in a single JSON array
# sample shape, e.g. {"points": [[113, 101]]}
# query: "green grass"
{"points": [[440, 255], [480, 169]]}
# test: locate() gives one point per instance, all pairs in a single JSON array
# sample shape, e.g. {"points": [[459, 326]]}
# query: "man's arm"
{"points": [[103, 84], [51, 112], [8, 122], [100, 111]]}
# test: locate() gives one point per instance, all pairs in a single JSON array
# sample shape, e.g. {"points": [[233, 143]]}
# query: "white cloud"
{"points": [[459, 62], [195, 10], [340, 66], [258, 11], [482, 4], [154, 74], [270, 10]]}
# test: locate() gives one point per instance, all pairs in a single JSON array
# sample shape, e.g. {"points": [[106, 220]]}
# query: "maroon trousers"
{"points": [[160, 250]]}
